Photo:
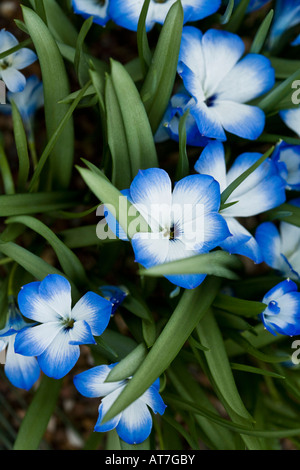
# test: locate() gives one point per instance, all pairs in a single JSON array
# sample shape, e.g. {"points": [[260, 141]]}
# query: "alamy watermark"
{"points": [[296, 94], [157, 221]]}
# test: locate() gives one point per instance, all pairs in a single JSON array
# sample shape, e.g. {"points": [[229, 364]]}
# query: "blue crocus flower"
{"points": [[262, 190], [221, 82], [288, 156], [291, 118], [183, 222], [10, 65], [27, 101], [115, 295], [97, 9], [61, 329], [169, 127], [21, 371], [287, 15], [280, 247], [282, 314], [133, 424], [126, 14]]}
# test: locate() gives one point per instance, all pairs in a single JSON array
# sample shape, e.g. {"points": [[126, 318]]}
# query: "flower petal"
{"points": [[21, 371], [14, 80], [212, 162], [55, 290], [95, 310], [280, 290], [241, 242], [33, 306], [90, 383], [23, 58], [87, 8], [153, 399], [7, 40], [104, 407], [242, 120], [268, 238], [81, 333], [291, 117], [135, 423], [33, 341], [250, 77]]}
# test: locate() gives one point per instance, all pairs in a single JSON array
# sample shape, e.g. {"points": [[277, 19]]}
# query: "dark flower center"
{"points": [[210, 101]]}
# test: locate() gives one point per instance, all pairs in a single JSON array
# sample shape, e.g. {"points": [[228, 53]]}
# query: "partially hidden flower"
{"points": [[221, 83], [282, 313], [291, 118], [286, 16], [95, 8], [27, 101], [289, 157], [60, 328], [133, 424], [127, 13], [169, 127], [20, 370], [262, 190], [280, 247], [115, 295], [11, 65], [183, 222]]}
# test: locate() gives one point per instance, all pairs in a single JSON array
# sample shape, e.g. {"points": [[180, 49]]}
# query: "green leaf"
{"points": [[262, 34], [239, 180], [158, 85], [38, 414], [69, 262], [245, 308], [127, 366], [217, 263], [21, 204], [8, 182], [128, 127], [56, 87], [59, 24], [145, 54], [80, 60], [22, 147], [277, 94], [237, 17], [287, 213], [183, 166], [192, 307], [228, 12], [255, 370]]}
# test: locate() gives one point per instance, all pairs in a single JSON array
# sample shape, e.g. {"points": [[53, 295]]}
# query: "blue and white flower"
{"points": [[291, 118], [183, 222], [115, 295], [99, 9], [263, 190], [282, 314], [280, 247], [126, 14], [134, 424], [287, 15], [11, 65], [220, 82], [27, 101], [289, 157], [169, 127], [20, 370], [61, 329]]}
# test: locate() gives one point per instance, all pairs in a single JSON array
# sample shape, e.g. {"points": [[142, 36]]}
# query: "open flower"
{"points": [[133, 424], [126, 14], [183, 222], [97, 9], [282, 314], [280, 248], [20, 370], [289, 157], [61, 329], [220, 82], [27, 101], [263, 190], [10, 65]]}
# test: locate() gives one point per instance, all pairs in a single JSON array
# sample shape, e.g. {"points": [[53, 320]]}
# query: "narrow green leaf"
{"points": [[127, 366], [237, 17], [255, 370], [38, 414], [80, 60], [22, 147], [245, 308], [16, 48], [287, 213], [228, 12], [217, 263], [69, 262], [8, 181], [56, 87], [21, 204], [192, 307], [158, 85], [183, 166], [262, 34], [277, 94], [59, 23], [145, 54]]}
